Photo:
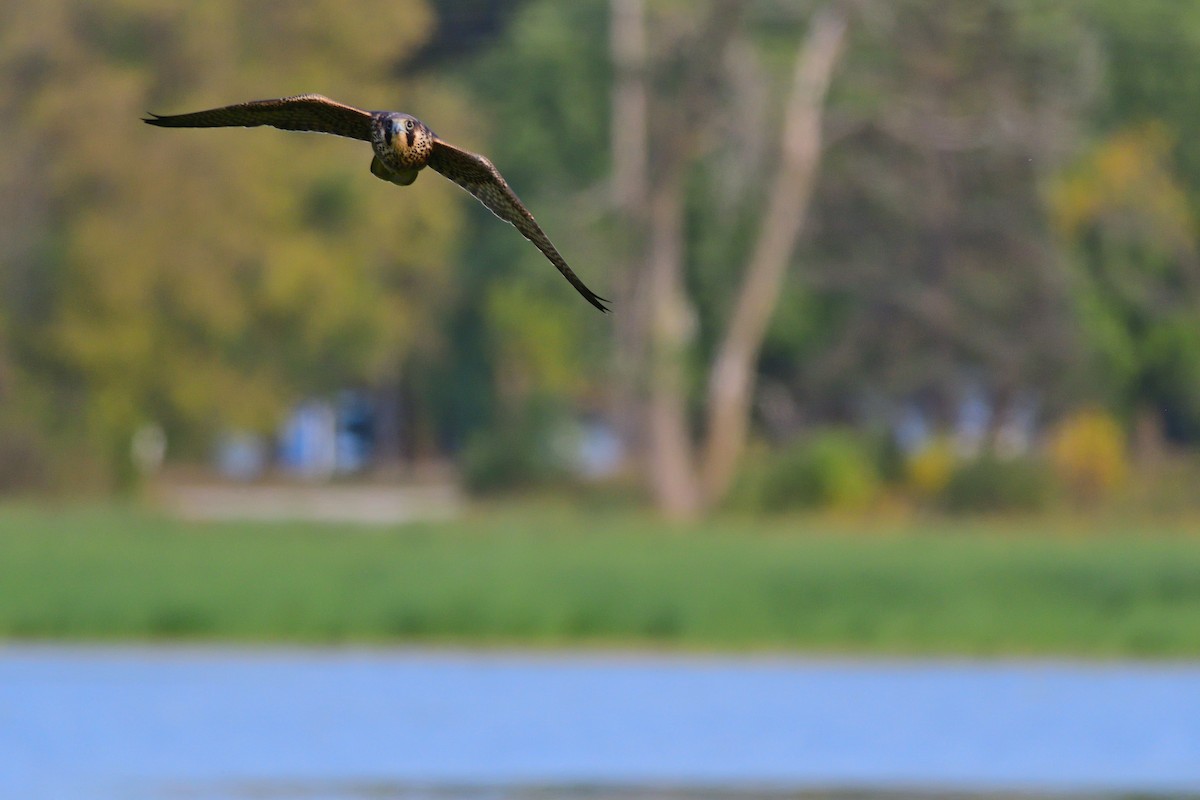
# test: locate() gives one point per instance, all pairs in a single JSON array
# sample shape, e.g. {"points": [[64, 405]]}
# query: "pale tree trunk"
{"points": [[731, 380], [671, 321], [673, 476], [656, 329], [630, 141]]}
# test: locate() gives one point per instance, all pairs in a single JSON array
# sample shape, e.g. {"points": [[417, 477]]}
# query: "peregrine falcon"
{"points": [[403, 146]]}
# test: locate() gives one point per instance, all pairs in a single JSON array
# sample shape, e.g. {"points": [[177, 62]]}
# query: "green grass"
{"points": [[547, 577]]}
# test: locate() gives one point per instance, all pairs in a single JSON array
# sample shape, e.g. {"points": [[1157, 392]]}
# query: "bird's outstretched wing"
{"points": [[305, 112], [478, 176]]}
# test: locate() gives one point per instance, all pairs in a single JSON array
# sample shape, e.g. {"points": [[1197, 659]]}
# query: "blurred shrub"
{"points": [[1164, 486], [991, 484], [890, 458], [1088, 454], [24, 461], [26, 453], [502, 460], [514, 456], [928, 471], [834, 469]]}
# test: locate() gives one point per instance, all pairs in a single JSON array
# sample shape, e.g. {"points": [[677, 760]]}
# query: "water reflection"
{"points": [[196, 723]]}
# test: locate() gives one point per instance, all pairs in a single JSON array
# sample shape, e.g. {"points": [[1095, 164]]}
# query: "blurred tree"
{"points": [[1137, 283], [1128, 210], [204, 278], [629, 144], [519, 341], [545, 92], [689, 52], [679, 82], [1149, 59], [931, 263], [462, 29], [732, 379], [930, 260]]}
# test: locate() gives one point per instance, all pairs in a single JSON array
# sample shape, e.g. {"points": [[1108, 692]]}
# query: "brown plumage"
{"points": [[403, 146]]}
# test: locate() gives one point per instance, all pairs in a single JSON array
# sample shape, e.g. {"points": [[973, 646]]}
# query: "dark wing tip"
{"points": [[593, 298], [479, 176], [162, 120]]}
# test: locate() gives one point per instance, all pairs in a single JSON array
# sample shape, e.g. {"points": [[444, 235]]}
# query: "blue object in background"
{"points": [[321, 438], [241, 456], [307, 443], [355, 442]]}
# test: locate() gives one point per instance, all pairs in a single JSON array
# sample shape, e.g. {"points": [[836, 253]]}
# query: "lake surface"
{"points": [[215, 723]]}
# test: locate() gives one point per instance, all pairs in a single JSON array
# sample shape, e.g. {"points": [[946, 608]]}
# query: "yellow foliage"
{"points": [[930, 469], [1127, 175], [208, 277], [1088, 454]]}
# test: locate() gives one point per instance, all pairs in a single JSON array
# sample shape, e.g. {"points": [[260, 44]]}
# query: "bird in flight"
{"points": [[403, 146]]}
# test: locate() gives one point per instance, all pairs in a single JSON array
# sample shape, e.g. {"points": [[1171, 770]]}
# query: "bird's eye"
{"points": [[408, 125]]}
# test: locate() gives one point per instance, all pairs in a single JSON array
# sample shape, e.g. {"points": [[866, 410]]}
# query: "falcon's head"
{"points": [[407, 137]]}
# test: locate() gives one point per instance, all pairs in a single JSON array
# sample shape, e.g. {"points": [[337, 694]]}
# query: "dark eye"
{"points": [[408, 125]]}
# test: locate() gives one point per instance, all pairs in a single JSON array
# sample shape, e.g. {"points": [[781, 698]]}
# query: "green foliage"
{"points": [[546, 87], [1129, 204], [540, 96], [834, 469], [537, 340], [928, 255], [1152, 60], [542, 576], [992, 484], [1129, 221], [513, 456]]}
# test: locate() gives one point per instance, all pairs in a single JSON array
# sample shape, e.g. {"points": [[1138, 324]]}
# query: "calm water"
{"points": [[199, 723]]}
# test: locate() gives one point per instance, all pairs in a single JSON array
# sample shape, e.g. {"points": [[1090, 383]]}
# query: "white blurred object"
{"points": [[149, 448], [600, 450], [1016, 433]]}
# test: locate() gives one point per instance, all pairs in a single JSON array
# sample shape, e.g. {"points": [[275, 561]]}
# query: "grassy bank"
{"points": [[546, 577]]}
